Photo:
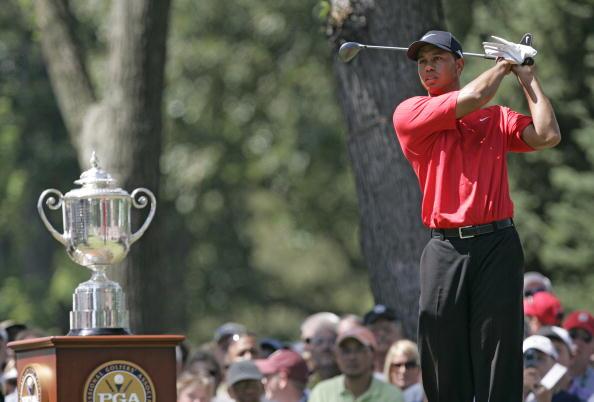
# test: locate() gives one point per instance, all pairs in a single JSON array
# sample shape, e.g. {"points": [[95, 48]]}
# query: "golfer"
{"points": [[470, 319]]}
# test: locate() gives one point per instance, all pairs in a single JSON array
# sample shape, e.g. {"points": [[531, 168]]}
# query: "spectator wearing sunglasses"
{"points": [[403, 369], [580, 325], [535, 282], [309, 327], [565, 349], [540, 356], [323, 359]]}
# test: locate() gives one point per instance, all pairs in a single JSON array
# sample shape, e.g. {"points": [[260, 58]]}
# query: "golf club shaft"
{"points": [[385, 47], [482, 55]]}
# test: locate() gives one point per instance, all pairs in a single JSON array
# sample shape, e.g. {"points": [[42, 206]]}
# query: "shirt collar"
{"points": [[366, 395]]}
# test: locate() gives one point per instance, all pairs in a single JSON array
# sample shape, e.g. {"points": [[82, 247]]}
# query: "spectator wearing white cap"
{"points": [[535, 282], [565, 350], [580, 325], [355, 350], [540, 356]]}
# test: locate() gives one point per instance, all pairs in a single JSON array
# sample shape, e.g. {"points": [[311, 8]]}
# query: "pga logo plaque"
{"points": [[29, 387], [119, 381]]}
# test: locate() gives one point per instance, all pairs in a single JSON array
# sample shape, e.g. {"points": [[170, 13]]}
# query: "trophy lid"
{"points": [[96, 181], [95, 175]]}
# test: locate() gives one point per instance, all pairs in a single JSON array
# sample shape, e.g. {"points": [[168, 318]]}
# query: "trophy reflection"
{"points": [[97, 234]]}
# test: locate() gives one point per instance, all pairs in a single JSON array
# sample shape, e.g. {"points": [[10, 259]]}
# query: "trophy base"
{"points": [[99, 307], [97, 332]]}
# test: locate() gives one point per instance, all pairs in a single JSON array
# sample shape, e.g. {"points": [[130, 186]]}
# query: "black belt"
{"points": [[467, 232]]}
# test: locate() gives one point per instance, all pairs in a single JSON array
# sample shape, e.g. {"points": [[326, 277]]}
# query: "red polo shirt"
{"points": [[460, 163]]}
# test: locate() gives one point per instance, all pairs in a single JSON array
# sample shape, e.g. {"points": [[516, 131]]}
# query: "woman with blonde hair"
{"points": [[195, 387], [403, 369]]}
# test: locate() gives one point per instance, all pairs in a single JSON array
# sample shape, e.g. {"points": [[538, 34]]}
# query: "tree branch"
{"points": [[66, 67]]}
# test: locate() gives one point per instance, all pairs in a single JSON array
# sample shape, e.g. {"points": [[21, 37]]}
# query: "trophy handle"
{"points": [[53, 204], [141, 203]]}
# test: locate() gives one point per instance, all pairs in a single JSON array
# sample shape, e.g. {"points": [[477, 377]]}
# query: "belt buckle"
{"points": [[460, 232]]}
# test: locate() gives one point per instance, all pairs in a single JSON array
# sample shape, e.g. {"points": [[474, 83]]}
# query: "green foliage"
{"points": [[13, 300], [257, 196], [268, 198], [34, 155]]}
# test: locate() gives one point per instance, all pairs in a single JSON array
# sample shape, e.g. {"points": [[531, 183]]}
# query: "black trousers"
{"points": [[471, 318]]}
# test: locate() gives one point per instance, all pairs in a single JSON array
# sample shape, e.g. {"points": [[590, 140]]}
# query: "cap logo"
{"points": [[426, 36], [583, 317], [380, 308]]}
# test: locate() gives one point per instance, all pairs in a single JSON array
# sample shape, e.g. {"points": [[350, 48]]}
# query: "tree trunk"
{"points": [[124, 127], [370, 86]]}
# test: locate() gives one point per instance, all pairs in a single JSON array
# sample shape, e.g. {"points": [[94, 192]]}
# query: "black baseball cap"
{"points": [[379, 311], [442, 39]]}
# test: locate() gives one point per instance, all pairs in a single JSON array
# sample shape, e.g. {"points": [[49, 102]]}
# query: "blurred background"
{"points": [[258, 207]]}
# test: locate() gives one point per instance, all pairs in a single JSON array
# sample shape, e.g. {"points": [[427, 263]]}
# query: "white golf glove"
{"points": [[514, 52]]}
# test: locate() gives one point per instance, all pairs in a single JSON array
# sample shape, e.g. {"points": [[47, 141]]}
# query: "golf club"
{"points": [[349, 50]]}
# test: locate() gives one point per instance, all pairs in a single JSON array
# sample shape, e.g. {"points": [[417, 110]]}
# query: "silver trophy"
{"points": [[96, 221]]}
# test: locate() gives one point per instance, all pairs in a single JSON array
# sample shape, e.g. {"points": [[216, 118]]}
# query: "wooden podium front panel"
{"points": [[75, 367], [44, 362], [68, 362]]}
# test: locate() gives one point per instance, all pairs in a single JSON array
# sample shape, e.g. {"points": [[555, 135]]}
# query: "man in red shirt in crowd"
{"points": [[470, 319]]}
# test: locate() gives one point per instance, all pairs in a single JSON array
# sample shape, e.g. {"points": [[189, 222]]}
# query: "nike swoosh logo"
{"points": [[483, 119], [426, 36]]}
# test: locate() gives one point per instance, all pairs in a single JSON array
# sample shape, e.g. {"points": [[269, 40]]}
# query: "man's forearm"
{"points": [[481, 90], [543, 115]]}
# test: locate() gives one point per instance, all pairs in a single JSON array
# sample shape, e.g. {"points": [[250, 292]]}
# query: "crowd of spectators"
{"points": [[363, 359], [555, 343]]}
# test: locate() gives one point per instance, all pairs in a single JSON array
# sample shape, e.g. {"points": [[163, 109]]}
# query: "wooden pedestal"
{"points": [[97, 368]]}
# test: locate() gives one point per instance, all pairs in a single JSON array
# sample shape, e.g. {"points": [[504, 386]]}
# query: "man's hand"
{"points": [[524, 73], [506, 63]]}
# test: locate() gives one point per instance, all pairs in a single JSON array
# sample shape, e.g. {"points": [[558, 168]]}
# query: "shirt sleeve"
{"points": [[418, 119], [515, 123]]}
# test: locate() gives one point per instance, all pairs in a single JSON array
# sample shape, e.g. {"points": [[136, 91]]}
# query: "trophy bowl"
{"points": [[97, 234]]}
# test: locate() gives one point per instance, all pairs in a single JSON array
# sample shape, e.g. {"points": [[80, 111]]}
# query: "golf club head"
{"points": [[527, 40], [348, 51]]}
